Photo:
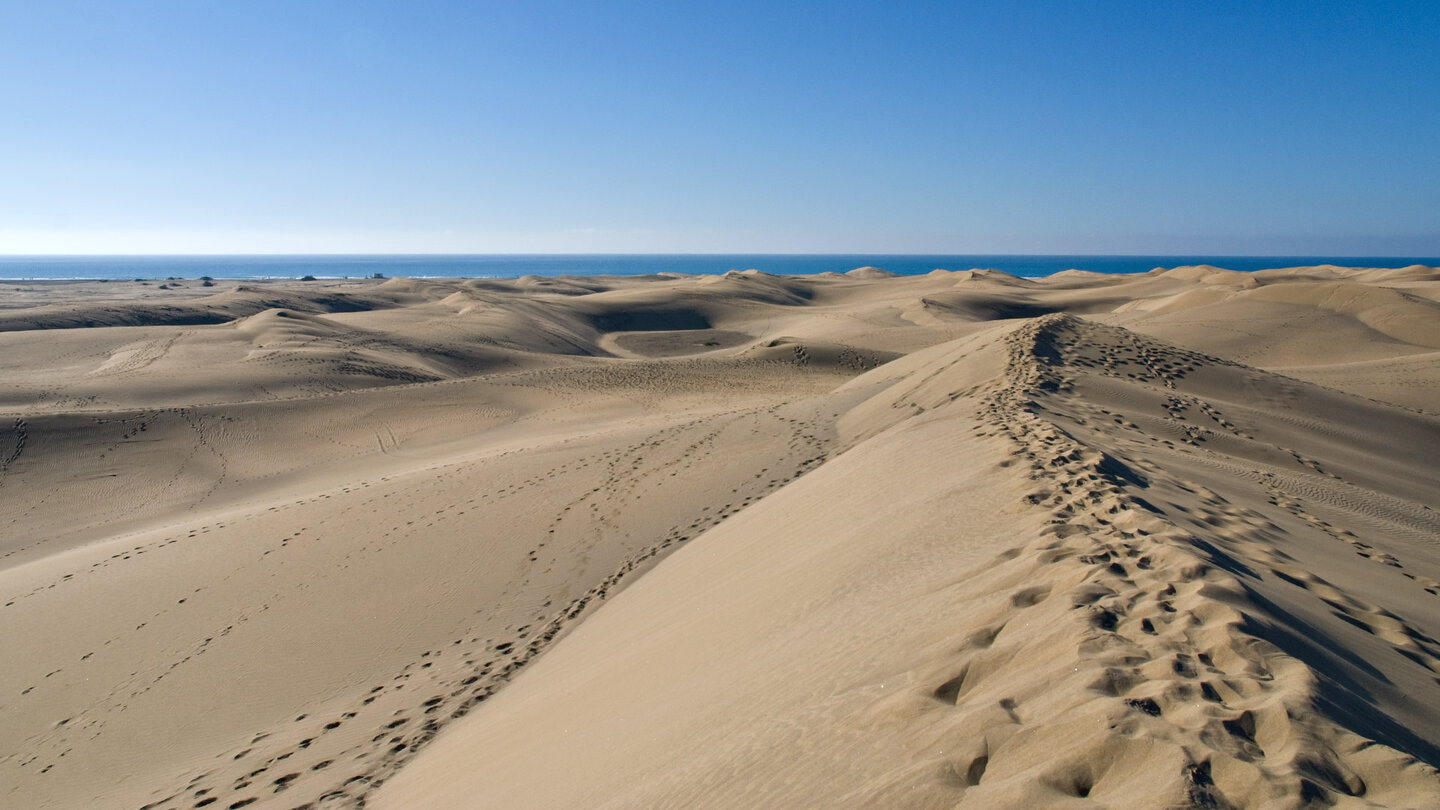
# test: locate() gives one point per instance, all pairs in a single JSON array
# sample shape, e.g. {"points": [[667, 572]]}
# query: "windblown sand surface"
{"points": [[964, 539]]}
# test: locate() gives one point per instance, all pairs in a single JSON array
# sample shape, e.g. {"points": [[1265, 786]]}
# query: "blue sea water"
{"points": [[514, 265]]}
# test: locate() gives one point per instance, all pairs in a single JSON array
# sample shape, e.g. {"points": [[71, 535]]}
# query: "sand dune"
{"points": [[854, 540]]}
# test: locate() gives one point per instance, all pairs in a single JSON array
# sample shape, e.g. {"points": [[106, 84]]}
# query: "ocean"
{"points": [[513, 265]]}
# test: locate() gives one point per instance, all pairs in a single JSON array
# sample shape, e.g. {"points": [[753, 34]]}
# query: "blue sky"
{"points": [[949, 127]]}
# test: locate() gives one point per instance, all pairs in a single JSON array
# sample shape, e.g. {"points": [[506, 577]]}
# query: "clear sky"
{"points": [[177, 126]]}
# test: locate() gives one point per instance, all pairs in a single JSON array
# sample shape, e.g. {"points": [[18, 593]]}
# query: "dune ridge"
{"points": [[1123, 657], [1172, 616], [851, 540]]}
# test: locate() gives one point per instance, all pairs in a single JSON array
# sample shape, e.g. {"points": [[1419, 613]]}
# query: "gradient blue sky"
{"points": [[909, 127]]}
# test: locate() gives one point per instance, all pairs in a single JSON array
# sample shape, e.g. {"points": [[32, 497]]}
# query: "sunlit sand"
{"points": [[962, 539]]}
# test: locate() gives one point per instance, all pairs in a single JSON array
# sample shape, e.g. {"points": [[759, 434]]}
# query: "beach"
{"points": [[963, 539]]}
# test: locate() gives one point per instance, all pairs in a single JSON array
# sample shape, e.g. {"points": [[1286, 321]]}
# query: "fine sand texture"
{"points": [[853, 540]]}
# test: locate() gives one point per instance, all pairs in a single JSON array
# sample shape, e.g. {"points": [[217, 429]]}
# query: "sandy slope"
{"points": [[939, 542]]}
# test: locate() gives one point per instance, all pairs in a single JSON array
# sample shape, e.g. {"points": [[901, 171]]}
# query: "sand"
{"points": [[852, 540]]}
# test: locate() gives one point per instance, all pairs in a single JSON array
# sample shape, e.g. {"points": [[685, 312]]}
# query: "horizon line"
{"points": [[398, 254]]}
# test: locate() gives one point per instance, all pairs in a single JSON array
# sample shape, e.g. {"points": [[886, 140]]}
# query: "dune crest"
{"points": [[1147, 647]]}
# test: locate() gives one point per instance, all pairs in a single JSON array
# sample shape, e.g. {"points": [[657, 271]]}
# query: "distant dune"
{"points": [[854, 540]]}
